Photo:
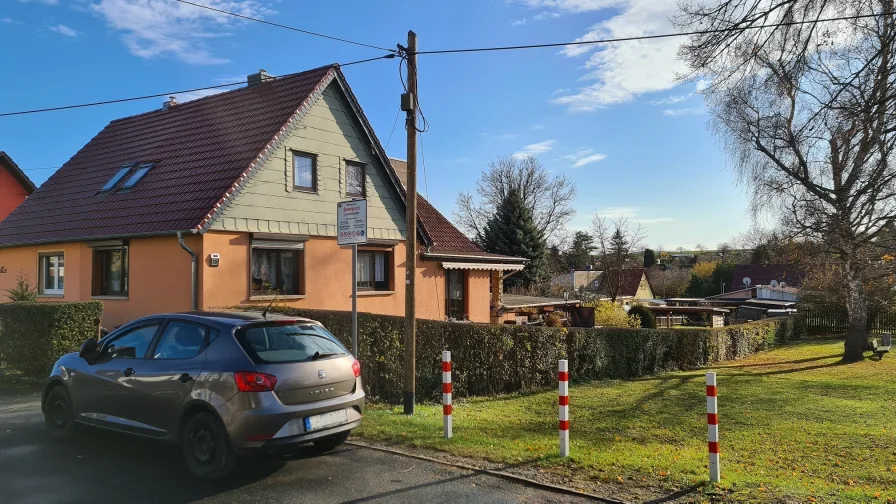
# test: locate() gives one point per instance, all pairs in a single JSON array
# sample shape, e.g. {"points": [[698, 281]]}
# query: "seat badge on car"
{"points": [[321, 374]]}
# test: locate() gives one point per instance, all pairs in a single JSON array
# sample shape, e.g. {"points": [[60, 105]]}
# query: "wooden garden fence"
{"points": [[818, 321]]}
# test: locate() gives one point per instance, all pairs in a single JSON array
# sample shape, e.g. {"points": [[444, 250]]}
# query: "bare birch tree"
{"points": [[615, 242], [807, 113]]}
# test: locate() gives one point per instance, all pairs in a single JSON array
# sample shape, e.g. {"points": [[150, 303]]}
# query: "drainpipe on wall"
{"points": [[194, 279]]}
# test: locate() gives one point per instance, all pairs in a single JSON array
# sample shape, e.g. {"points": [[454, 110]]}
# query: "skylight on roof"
{"points": [[117, 177], [137, 176]]}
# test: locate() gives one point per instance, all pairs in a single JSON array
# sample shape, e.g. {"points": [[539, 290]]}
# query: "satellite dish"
{"points": [[747, 281], [774, 284], [782, 284]]}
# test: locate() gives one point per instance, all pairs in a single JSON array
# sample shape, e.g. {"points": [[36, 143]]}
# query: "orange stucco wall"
{"points": [[12, 194], [159, 278], [328, 280], [158, 275]]}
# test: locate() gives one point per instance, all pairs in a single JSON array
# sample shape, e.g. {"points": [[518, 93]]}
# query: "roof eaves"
{"points": [[96, 238], [18, 173], [275, 142]]}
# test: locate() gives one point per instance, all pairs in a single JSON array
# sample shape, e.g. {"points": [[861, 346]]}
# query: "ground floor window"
{"points": [[373, 270], [52, 273], [110, 272], [455, 293], [277, 271]]}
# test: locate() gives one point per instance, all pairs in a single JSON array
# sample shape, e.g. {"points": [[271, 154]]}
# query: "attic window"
{"points": [[137, 176], [117, 177]]}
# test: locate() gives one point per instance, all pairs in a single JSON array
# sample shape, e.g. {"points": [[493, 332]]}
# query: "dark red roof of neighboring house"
{"points": [[631, 280], [17, 172], [763, 274], [200, 149]]}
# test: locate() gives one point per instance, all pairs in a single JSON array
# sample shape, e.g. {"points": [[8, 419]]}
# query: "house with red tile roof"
{"points": [[231, 200], [15, 186]]}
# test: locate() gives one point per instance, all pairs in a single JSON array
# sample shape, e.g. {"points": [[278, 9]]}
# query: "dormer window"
{"points": [[117, 177], [137, 176]]}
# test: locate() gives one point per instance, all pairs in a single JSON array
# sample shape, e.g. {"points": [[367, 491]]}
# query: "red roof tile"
{"points": [[200, 149]]}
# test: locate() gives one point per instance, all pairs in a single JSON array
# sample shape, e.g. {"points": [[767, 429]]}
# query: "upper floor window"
{"points": [[304, 171], [110, 272], [354, 179], [373, 270], [52, 273]]}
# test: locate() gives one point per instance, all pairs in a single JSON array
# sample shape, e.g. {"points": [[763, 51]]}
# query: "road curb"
{"points": [[491, 472]]}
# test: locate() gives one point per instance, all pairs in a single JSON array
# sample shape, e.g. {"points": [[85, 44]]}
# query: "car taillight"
{"points": [[356, 368], [248, 381]]}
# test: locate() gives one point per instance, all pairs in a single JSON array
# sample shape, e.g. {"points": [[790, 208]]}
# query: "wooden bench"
{"points": [[882, 345]]}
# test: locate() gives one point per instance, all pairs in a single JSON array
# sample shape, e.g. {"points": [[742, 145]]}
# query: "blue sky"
{"points": [[615, 120]]}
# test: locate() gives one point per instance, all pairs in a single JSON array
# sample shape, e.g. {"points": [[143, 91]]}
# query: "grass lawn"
{"points": [[795, 425]]}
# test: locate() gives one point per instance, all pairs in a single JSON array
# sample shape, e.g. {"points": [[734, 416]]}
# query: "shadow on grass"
{"points": [[678, 494], [777, 363]]}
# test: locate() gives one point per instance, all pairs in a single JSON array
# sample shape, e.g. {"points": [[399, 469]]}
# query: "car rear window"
{"points": [[273, 343]]}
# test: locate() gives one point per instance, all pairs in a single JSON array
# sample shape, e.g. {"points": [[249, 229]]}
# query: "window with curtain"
{"points": [[354, 179], [110, 272], [373, 270], [52, 273], [304, 171], [275, 271], [456, 303]]}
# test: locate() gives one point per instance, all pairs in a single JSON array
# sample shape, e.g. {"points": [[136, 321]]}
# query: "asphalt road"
{"points": [[100, 466]]}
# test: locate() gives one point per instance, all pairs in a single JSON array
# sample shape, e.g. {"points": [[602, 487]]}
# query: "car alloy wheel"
{"points": [[59, 412], [203, 445]]}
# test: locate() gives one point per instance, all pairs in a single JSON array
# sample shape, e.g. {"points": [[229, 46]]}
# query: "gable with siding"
{"points": [[330, 131]]}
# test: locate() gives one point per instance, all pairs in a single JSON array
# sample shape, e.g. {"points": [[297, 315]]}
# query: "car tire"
{"points": [[59, 415], [205, 447], [332, 442]]}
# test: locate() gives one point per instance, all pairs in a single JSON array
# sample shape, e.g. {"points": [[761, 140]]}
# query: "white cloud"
{"points": [[508, 136], [572, 5], [518, 22], [165, 28], [702, 84], [684, 111], [584, 157], [623, 71], [669, 100], [656, 220], [536, 127], [541, 16], [8, 21], [535, 149], [560, 91], [64, 30], [47, 2]]}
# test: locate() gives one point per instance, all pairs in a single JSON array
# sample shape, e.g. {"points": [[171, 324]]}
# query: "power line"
{"points": [[286, 27], [652, 37], [393, 128], [161, 95]]}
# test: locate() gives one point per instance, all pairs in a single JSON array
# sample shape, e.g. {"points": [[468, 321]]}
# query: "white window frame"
{"points": [[43, 257]]}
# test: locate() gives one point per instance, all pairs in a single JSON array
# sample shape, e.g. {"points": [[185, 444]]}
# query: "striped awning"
{"points": [[483, 266]]}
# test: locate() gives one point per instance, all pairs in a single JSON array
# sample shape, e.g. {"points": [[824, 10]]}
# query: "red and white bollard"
{"points": [[563, 378], [712, 421], [446, 393]]}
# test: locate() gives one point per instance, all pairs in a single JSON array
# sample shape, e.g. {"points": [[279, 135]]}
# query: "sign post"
{"points": [[351, 229]]}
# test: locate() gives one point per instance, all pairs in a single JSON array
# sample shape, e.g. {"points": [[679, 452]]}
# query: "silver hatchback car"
{"points": [[219, 384]]}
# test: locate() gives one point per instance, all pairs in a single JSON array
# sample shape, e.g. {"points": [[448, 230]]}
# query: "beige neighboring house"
{"points": [[634, 287]]}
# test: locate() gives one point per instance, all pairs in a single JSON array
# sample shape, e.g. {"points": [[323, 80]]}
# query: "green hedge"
{"points": [[497, 359], [34, 335]]}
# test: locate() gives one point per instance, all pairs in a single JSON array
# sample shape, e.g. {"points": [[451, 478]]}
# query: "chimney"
{"points": [[172, 101], [258, 78]]}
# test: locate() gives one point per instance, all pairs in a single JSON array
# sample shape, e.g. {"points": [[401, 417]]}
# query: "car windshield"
{"points": [[273, 343]]}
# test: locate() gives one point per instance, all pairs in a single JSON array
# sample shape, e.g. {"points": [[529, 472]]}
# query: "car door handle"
{"points": [[184, 378], [129, 371]]}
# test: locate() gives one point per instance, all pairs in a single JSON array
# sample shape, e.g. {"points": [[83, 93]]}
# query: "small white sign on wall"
{"points": [[351, 222]]}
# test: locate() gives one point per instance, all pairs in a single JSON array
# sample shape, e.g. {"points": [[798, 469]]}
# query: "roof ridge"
{"points": [[228, 93]]}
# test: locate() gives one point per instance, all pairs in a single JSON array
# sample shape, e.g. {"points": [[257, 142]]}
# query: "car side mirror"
{"points": [[89, 350]]}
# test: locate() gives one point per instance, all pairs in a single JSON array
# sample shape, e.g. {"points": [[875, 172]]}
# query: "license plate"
{"points": [[325, 420]]}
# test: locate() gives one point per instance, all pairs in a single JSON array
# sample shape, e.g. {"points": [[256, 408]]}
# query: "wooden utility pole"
{"points": [[409, 105]]}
